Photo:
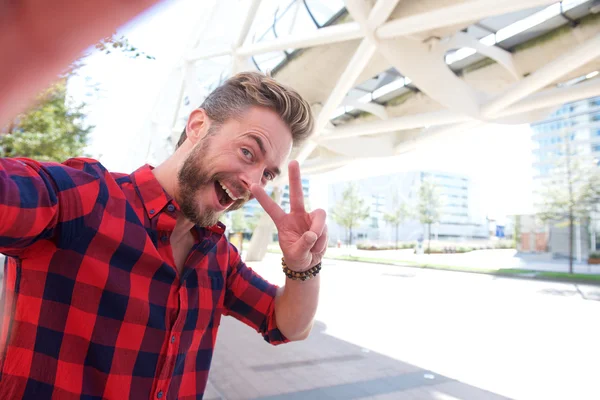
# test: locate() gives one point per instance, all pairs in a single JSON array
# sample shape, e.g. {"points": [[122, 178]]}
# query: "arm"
{"points": [[28, 205], [303, 241], [295, 307], [251, 299]]}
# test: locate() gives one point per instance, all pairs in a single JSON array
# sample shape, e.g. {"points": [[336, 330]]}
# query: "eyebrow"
{"points": [[261, 146]]}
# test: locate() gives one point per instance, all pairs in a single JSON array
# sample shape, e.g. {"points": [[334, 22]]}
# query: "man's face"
{"points": [[217, 174]]}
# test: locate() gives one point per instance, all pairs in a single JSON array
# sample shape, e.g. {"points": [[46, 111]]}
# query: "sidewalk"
{"points": [[321, 367]]}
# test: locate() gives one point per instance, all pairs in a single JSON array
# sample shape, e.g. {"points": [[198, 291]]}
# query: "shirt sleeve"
{"points": [[251, 299], [28, 205], [38, 199]]}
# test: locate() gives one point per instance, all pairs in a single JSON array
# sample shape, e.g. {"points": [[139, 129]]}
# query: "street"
{"points": [[387, 332]]}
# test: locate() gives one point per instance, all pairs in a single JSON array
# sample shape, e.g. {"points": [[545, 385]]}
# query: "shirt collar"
{"points": [[154, 197]]}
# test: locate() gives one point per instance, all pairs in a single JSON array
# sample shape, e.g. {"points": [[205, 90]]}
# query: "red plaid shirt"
{"points": [[92, 304]]}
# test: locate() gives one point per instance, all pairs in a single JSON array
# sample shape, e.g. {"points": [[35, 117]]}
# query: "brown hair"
{"points": [[248, 89]]}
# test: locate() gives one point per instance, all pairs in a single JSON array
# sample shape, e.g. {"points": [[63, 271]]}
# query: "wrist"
{"points": [[300, 275]]}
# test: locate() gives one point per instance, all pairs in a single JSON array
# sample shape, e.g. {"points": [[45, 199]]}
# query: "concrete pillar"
{"points": [[263, 234]]}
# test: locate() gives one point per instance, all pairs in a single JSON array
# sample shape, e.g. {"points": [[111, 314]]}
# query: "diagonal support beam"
{"points": [[243, 33], [380, 12], [362, 56], [357, 63], [241, 62], [544, 76]]}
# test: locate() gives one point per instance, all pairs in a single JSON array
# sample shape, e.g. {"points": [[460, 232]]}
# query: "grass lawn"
{"points": [[509, 272]]}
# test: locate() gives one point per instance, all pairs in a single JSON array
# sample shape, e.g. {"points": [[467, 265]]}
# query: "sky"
{"points": [[122, 94]]}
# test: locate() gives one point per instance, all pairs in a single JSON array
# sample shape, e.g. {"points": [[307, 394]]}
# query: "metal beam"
{"points": [[422, 22], [325, 35], [357, 63], [455, 14], [434, 118], [547, 98], [380, 12], [242, 62], [362, 56], [554, 97], [544, 76], [243, 33]]}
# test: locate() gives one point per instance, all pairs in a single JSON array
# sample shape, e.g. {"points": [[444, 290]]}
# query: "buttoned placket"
{"points": [[165, 223]]}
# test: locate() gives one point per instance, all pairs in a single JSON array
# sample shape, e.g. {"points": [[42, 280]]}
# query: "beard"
{"points": [[194, 176]]}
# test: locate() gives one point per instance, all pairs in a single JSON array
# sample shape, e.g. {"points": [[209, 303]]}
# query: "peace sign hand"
{"points": [[302, 235]]}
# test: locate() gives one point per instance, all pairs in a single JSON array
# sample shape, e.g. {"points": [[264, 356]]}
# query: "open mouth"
{"points": [[225, 196]]}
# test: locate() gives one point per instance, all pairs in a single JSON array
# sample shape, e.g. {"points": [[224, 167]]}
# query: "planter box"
{"points": [[593, 260]]}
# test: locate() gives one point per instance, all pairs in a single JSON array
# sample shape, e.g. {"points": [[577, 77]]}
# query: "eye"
{"points": [[268, 175], [247, 153]]}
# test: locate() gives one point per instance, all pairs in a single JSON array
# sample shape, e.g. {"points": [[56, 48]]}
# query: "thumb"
{"points": [[308, 240]]}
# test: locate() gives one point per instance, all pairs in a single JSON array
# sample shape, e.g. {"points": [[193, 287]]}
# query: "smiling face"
{"points": [[226, 160]]}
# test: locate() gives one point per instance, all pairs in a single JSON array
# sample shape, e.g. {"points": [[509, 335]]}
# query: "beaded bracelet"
{"points": [[300, 276]]}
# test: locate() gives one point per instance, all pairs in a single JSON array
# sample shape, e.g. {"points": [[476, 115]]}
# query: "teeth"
{"points": [[228, 192]]}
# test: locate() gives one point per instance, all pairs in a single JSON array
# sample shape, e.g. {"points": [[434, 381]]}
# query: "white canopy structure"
{"points": [[384, 75]]}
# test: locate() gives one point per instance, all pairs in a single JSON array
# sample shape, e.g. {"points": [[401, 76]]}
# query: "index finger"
{"points": [[295, 185], [267, 203]]}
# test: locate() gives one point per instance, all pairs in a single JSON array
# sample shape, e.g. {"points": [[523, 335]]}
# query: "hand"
{"points": [[302, 235]]}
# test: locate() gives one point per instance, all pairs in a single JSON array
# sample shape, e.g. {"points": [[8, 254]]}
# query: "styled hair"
{"points": [[247, 89]]}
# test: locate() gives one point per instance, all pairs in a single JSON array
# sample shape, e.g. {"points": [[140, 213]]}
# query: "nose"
{"points": [[252, 176]]}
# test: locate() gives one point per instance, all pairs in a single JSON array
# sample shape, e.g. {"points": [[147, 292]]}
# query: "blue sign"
{"points": [[499, 231]]}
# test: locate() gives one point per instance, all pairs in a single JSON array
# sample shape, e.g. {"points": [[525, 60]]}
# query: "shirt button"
{"points": [[164, 239], [171, 207], [159, 394], [173, 339], [152, 211]]}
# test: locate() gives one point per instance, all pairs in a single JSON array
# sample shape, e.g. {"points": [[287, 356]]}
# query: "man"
{"points": [[115, 284]]}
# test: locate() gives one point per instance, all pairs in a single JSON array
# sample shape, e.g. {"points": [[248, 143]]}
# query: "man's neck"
{"points": [[183, 226], [166, 175]]}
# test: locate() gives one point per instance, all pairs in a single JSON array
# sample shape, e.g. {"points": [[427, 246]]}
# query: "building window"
{"points": [[596, 148]]}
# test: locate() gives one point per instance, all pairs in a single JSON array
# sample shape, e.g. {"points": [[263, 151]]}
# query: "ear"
{"points": [[197, 125]]}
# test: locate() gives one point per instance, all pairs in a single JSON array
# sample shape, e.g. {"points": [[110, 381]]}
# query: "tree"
{"points": [[120, 43], [397, 216], [238, 221], [252, 222], [571, 192], [53, 130], [350, 211], [429, 207]]}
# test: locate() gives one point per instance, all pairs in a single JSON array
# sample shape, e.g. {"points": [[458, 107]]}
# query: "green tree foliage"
{"points": [[238, 221], [396, 216], [429, 207], [252, 222], [52, 130], [350, 211], [572, 191]]}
